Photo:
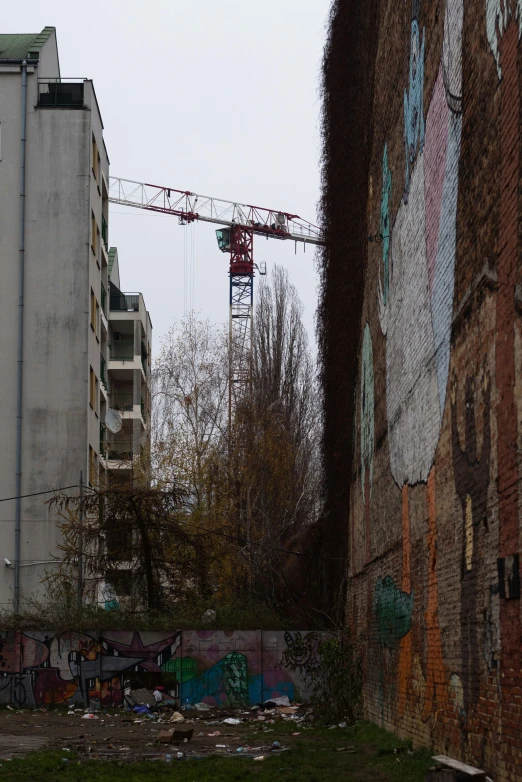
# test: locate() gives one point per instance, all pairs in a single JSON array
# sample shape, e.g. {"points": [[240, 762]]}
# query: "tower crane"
{"points": [[239, 223]]}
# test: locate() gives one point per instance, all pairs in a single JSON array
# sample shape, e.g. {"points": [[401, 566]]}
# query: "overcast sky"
{"points": [[219, 97]]}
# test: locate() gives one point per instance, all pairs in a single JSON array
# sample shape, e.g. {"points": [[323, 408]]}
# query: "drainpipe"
{"points": [[19, 379]]}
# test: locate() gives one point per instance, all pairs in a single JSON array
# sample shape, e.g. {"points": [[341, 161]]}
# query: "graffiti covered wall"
{"points": [[434, 509], [221, 668]]}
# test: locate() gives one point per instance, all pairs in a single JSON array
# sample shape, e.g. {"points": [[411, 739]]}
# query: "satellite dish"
{"points": [[113, 420]]}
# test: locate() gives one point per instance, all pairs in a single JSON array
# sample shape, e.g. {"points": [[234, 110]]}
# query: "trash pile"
{"points": [[151, 726]]}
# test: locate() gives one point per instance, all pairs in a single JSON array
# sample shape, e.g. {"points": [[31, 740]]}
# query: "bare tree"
{"points": [[277, 433], [134, 532]]}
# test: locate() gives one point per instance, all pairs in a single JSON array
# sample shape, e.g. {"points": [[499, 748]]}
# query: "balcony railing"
{"points": [[60, 94], [121, 450], [102, 440], [103, 371], [125, 302], [105, 232], [123, 350], [103, 299], [122, 400], [143, 409]]}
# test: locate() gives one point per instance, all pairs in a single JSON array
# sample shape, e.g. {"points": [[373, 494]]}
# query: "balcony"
{"points": [[120, 450], [103, 299], [105, 233], [124, 302], [103, 371], [122, 400], [122, 350], [60, 94]]}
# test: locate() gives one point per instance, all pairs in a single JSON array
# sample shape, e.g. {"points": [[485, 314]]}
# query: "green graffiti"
{"points": [[185, 668], [367, 410], [393, 610], [235, 676]]}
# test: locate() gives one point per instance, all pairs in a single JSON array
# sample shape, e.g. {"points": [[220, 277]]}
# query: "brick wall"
{"points": [[433, 513]]}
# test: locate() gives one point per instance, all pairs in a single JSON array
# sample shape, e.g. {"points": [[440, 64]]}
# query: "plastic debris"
{"points": [[202, 706], [260, 757], [342, 724], [215, 733], [296, 734], [276, 745], [232, 721], [158, 696], [273, 702], [221, 746], [141, 709], [90, 716]]}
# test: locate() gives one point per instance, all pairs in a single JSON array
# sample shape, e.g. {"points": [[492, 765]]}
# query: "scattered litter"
{"points": [[65, 749], [287, 710], [90, 716], [232, 721], [202, 706], [141, 709], [342, 724], [260, 757], [175, 736], [10, 708], [273, 702], [215, 733], [124, 749], [240, 749], [221, 746], [158, 696], [208, 616], [255, 708], [276, 745], [296, 734], [346, 749]]}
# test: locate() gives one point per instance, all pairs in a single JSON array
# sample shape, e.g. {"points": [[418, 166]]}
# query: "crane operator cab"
{"points": [[223, 239]]}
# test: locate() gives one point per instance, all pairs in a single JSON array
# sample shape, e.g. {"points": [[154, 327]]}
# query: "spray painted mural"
{"points": [[415, 315], [434, 586], [216, 667]]}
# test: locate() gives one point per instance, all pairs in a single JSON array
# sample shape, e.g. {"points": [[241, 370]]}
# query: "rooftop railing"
{"points": [[124, 302], [60, 94]]}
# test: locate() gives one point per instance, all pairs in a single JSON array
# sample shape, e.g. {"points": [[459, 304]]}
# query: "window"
{"points": [[95, 158], [94, 233], [93, 390], [121, 582], [118, 540], [94, 315], [93, 466]]}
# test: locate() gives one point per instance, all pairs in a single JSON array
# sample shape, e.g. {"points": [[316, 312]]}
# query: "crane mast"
{"points": [[239, 224]]}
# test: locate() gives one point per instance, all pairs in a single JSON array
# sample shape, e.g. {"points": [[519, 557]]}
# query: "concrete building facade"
{"points": [[67, 318]]}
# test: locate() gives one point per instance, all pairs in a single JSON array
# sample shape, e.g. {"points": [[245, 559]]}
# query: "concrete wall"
{"points": [[59, 345], [433, 512], [232, 668]]}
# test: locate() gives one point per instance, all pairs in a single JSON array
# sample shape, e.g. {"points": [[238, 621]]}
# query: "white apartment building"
{"points": [[72, 346]]}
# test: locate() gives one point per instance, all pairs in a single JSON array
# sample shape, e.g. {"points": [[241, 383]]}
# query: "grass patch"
{"points": [[313, 757]]}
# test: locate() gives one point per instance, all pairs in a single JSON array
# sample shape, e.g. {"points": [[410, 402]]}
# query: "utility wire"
{"points": [[37, 493]]}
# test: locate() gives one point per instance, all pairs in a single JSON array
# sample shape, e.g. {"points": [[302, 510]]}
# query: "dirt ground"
{"points": [[121, 735]]}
